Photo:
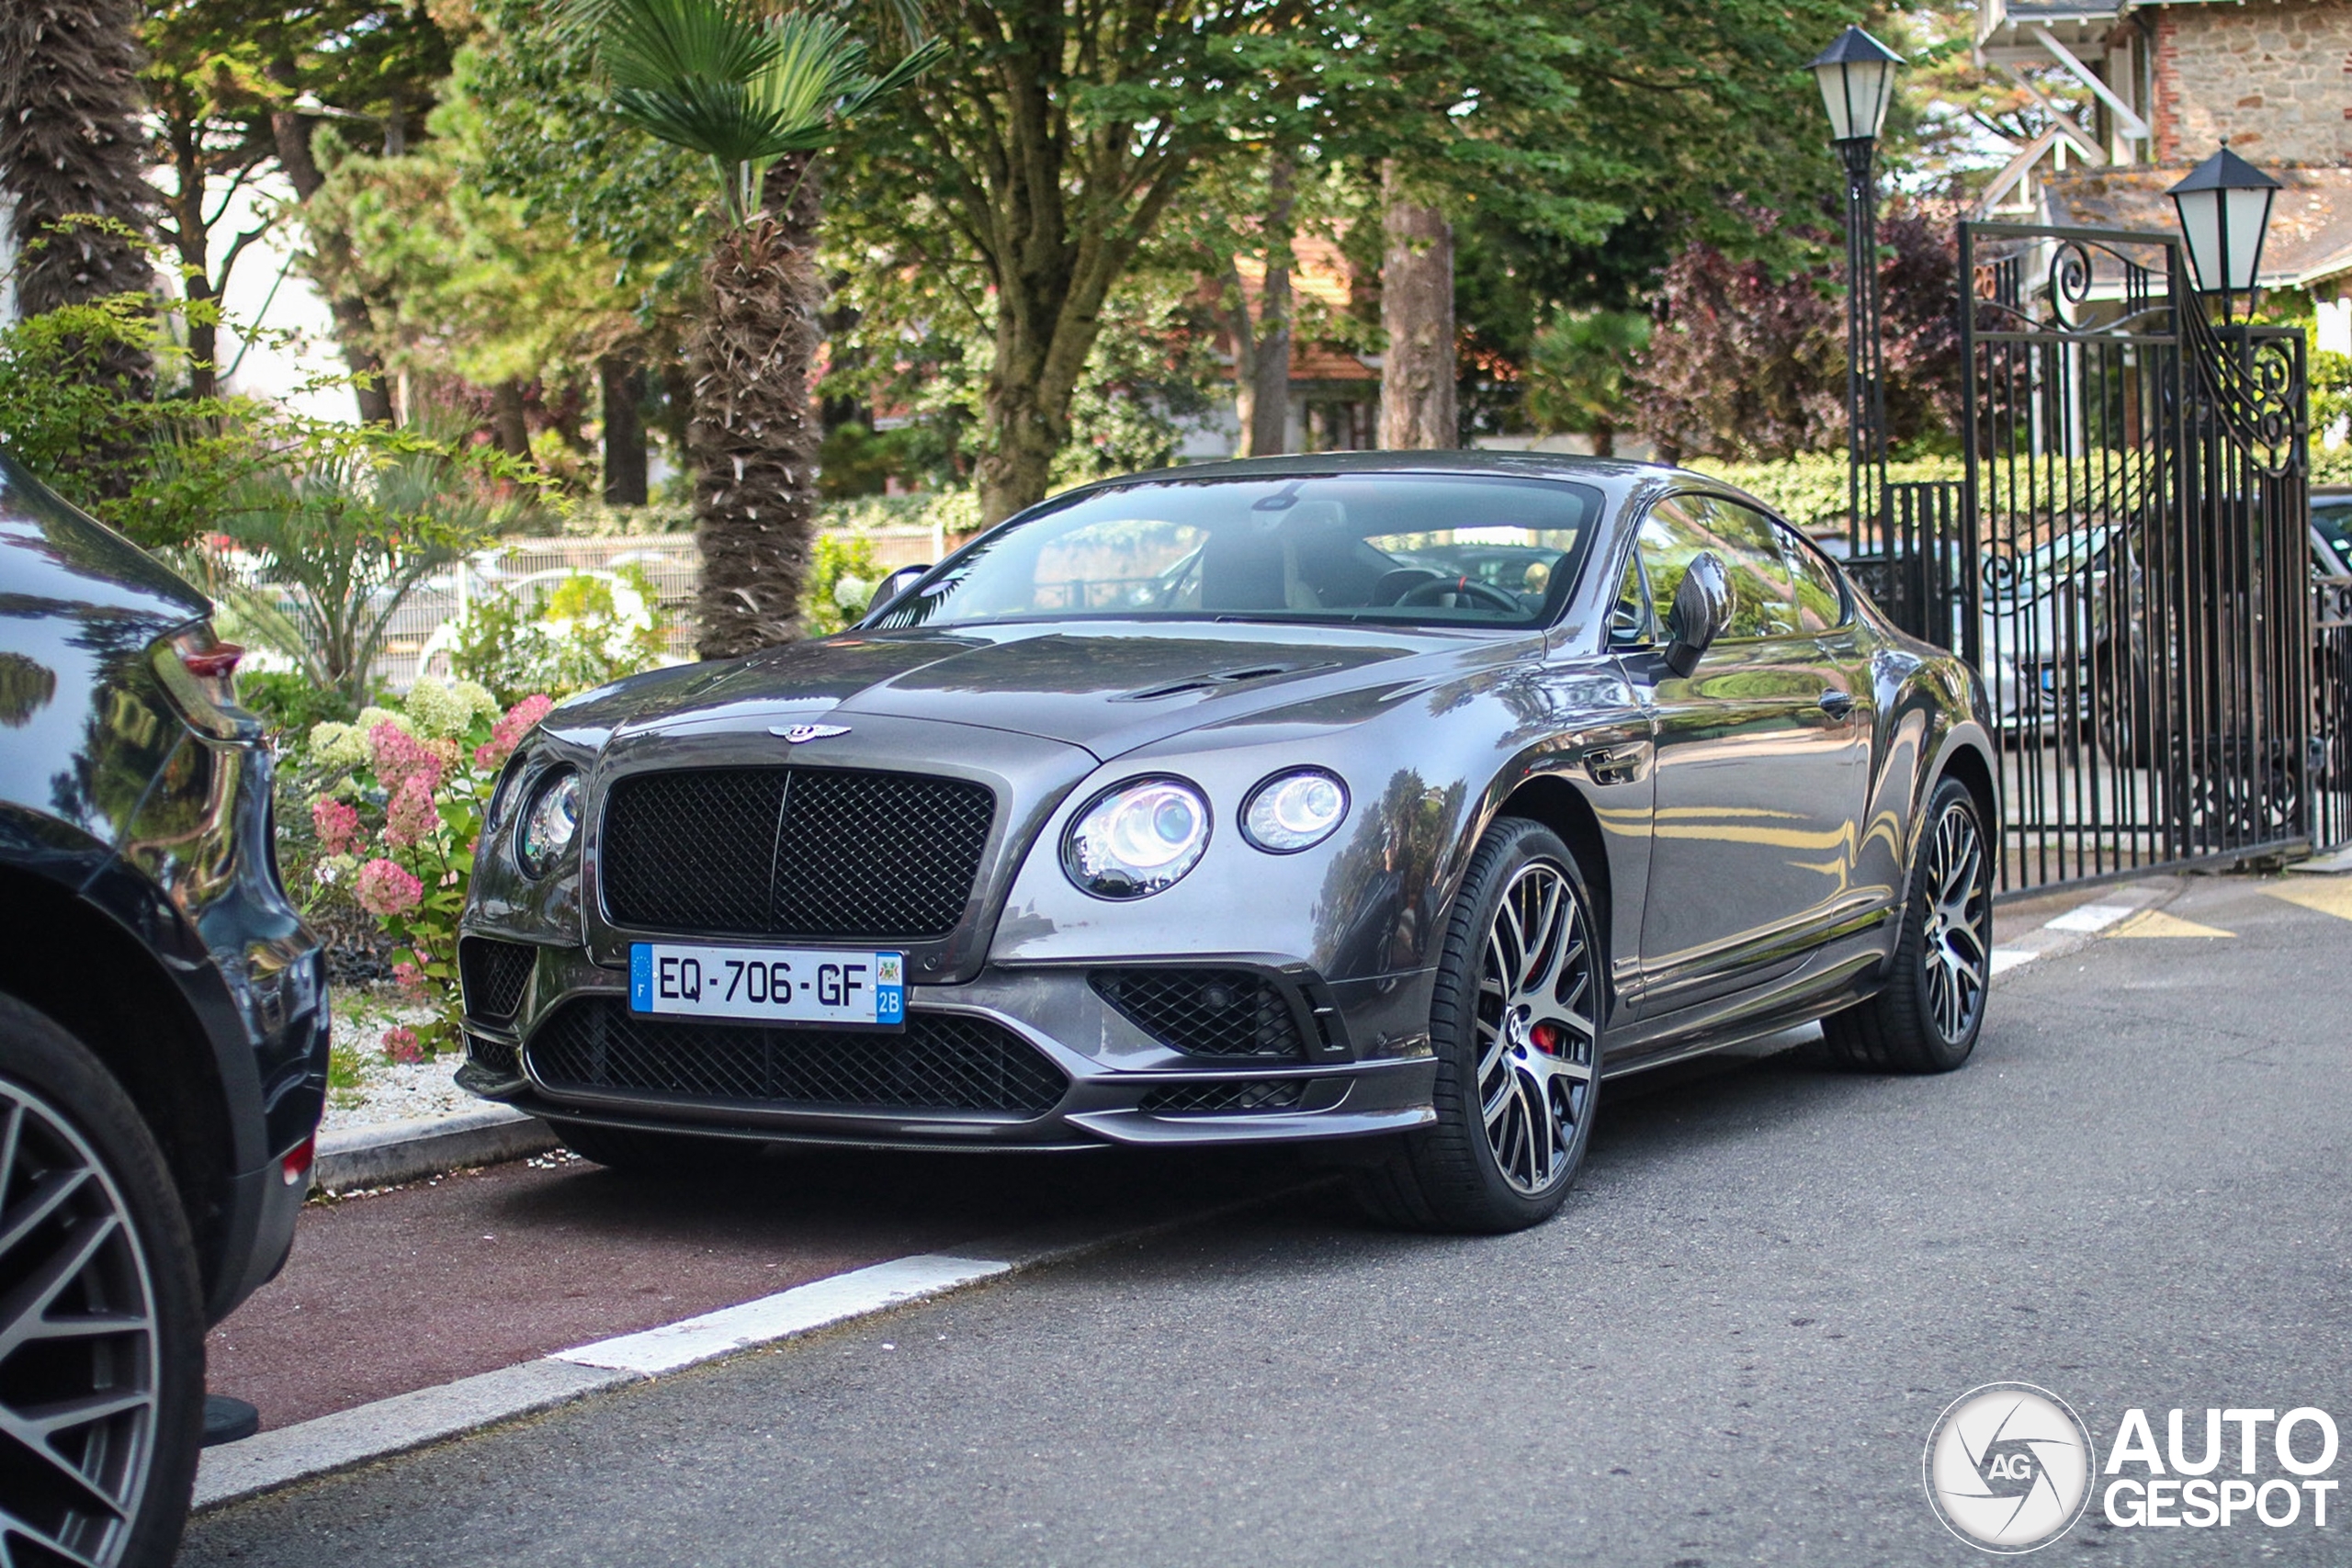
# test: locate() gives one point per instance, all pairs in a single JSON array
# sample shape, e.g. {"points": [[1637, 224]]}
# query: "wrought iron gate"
{"points": [[2128, 562]]}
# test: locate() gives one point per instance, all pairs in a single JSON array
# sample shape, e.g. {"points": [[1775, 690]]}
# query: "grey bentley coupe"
{"points": [[1389, 801]]}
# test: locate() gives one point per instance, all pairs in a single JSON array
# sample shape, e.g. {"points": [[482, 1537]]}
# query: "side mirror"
{"points": [[1702, 611], [897, 582]]}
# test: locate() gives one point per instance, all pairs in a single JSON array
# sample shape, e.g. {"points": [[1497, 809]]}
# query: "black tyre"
{"points": [[1927, 1016], [1516, 1028], [652, 1153], [101, 1316]]}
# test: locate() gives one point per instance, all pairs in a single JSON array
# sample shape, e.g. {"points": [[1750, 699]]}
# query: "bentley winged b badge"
{"points": [[801, 732]]}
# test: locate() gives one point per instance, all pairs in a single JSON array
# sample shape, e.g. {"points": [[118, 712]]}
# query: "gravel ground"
{"points": [[388, 1091]]}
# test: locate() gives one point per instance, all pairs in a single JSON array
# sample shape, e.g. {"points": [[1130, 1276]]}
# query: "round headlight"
{"points": [[551, 822], [1138, 839], [1293, 811]]}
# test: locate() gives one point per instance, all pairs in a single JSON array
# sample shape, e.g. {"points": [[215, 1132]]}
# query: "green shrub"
{"points": [[1810, 491]]}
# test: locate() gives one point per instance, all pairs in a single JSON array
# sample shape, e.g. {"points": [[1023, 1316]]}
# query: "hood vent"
{"points": [[1215, 680]]}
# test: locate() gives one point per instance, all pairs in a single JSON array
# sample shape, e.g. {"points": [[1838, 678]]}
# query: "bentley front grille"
{"points": [[830, 854]]}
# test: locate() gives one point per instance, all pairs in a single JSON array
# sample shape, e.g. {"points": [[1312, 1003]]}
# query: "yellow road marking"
{"points": [[2155, 922], [2329, 895]]}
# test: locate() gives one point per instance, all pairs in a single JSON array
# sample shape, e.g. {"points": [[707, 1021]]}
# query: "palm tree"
{"points": [[759, 95]]}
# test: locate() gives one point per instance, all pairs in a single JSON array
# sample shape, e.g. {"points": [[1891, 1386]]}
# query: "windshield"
{"points": [[2332, 518], [1386, 549]]}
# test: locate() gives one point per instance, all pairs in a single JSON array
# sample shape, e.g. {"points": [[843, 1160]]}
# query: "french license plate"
{"points": [[769, 985]]}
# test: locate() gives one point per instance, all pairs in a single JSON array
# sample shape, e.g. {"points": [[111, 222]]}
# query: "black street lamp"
{"points": [[2224, 211], [1857, 78]]}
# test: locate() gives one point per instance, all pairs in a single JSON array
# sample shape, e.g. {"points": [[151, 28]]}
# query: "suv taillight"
{"points": [[199, 671]]}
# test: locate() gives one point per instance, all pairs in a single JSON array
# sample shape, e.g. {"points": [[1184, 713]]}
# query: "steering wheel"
{"points": [[1443, 587], [1395, 584]]}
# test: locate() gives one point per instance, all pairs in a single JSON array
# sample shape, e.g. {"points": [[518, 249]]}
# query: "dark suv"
{"points": [[162, 1033]]}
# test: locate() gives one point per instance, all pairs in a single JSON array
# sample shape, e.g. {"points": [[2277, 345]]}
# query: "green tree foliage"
{"points": [[1579, 374]]}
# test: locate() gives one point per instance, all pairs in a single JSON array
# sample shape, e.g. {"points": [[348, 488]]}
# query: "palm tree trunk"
{"points": [[70, 143], [1417, 375], [753, 437]]}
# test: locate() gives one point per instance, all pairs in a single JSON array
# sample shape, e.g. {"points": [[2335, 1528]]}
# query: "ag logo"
{"points": [[2008, 1467]]}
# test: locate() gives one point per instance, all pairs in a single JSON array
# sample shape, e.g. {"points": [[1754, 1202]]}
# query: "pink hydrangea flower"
{"points": [[401, 757], [410, 979], [400, 1045], [337, 824], [411, 816], [508, 733], [384, 890]]}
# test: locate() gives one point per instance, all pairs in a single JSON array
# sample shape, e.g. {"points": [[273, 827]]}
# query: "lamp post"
{"points": [[2224, 210], [1857, 79]]}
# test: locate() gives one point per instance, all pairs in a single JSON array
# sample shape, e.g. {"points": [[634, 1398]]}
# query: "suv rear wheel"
{"points": [[101, 1330]]}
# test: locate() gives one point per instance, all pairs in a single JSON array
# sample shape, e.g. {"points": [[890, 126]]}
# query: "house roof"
{"points": [[2311, 224]]}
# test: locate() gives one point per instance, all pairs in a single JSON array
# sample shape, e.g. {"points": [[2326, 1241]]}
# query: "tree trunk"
{"points": [[354, 322], [70, 143], [1261, 371], [1417, 375], [509, 431], [753, 435], [622, 382]]}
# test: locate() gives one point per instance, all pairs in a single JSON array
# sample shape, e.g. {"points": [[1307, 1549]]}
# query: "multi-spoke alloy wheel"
{"points": [[1516, 1017], [1927, 1017], [79, 1346], [1535, 1030], [101, 1314], [1956, 958]]}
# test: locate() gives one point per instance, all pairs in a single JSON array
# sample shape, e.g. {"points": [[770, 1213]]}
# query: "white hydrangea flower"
{"points": [[437, 711], [338, 745], [479, 702], [370, 717], [852, 592]]}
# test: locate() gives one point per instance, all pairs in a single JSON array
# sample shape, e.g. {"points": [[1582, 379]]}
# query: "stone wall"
{"points": [[2274, 76]]}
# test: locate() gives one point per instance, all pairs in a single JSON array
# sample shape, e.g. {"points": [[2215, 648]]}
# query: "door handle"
{"points": [[1836, 704], [1617, 765]]}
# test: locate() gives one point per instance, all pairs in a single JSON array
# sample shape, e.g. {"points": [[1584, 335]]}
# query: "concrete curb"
{"points": [[270, 1461], [405, 1151]]}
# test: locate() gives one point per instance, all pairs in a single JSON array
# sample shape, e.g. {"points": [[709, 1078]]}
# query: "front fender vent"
{"points": [[494, 973]]}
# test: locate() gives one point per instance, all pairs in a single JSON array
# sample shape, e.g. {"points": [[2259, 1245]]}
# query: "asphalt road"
{"points": [[1729, 1348]]}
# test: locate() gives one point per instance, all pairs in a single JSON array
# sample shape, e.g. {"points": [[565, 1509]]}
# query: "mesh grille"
{"points": [[692, 849], [1213, 1099], [1208, 1013], [828, 854], [941, 1062], [494, 1056], [493, 974]]}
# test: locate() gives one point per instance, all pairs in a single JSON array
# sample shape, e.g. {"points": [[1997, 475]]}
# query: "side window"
{"points": [[1763, 603], [1629, 618], [1821, 597]]}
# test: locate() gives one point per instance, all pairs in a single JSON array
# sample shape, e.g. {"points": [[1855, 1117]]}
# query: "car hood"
{"points": [[1108, 687]]}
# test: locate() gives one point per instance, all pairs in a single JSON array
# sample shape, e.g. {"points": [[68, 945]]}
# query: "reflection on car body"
{"points": [[1381, 802]]}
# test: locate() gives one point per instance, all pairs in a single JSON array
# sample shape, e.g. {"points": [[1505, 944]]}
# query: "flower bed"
{"points": [[393, 810]]}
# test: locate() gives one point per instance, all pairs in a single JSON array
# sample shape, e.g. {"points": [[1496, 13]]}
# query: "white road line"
{"points": [[2089, 918], [796, 1311]]}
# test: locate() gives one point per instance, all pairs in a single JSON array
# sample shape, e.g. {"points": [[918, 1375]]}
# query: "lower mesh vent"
{"points": [[1205, 1012], [493, 1056], [941, 1062], [1216, 1099]]}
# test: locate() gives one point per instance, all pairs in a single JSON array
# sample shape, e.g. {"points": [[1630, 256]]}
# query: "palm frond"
{"points": [[716, 78]]}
